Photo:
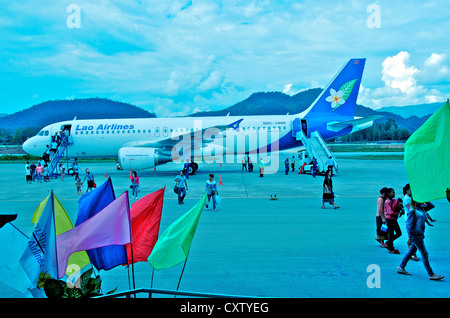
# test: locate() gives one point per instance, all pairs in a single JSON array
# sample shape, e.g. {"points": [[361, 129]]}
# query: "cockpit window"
{"points": [[43, 133]]}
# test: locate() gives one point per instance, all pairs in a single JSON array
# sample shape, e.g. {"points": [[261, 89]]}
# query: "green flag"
{"points": [[173, 245], [427, 157]]}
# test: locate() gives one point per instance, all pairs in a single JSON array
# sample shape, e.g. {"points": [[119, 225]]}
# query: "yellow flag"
{"points": [[77, 260]]}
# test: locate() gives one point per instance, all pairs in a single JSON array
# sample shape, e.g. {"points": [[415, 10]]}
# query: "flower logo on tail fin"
{"points": [[335, 98], [338, 98]]}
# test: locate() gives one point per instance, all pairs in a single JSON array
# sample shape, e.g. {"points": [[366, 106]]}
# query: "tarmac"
{"points": [[253, 246]]}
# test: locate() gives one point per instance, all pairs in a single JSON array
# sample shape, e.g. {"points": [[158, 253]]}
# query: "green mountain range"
{"points": [[277, 103], [261, 103], [50, 112]]}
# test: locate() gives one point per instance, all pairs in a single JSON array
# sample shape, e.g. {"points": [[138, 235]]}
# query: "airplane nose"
{"points": [[28, 146]]}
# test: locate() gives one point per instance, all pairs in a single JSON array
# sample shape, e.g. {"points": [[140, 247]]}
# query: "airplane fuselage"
{"points": [[146, 142]]}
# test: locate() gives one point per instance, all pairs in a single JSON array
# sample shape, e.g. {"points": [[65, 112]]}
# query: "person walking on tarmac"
{"points": [[211, 191], [250, 164], [286, 166], [314, 167], [380, 218], [182, 186], [391, 215], [76, 170], [90, 179], [415, 226], [134, 184], [186, 169], [262, 164], [244, 163], [33, 171], [293, 163], [328, 194], [330, 163]]}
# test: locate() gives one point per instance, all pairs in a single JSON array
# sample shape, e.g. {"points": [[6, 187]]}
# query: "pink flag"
{"points": [[111, 226]]}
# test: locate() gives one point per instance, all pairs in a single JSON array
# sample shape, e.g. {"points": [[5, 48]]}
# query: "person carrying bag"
{"points": [[211, 191]]}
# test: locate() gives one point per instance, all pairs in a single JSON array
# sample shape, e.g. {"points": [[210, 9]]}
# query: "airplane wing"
{"points": [[336, 126], [169, 143]]}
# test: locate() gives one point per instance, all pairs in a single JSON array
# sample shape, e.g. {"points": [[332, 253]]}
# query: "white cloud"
{"points": [[397, 74], [434, 70], [215, 53], [287, 89], [212, 82], [403, 83]]}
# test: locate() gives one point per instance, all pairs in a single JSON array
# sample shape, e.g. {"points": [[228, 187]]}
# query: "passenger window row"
{"points": [[45, 133]]}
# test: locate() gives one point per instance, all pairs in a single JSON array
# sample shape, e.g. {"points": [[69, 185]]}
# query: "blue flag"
{"points": [[39, 255], [89, 205]]}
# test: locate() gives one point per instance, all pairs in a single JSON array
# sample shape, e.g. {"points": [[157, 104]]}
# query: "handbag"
{"points": [[175, 189], [427, 206]]}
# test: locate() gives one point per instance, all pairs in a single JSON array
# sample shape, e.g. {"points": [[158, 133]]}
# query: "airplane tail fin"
{"points": [[338, 99]]}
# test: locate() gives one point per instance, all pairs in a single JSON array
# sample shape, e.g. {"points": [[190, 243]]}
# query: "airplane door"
{"points": [[165, 131], [66, 128], [304, 126], [157, 132], [296, 126], [299, 125]]}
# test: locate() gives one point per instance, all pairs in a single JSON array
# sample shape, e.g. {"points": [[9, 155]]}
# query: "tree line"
{"points": [[16, 136]]}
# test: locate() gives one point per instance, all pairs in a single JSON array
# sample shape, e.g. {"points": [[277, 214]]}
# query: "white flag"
{"points": [[12, 242]]}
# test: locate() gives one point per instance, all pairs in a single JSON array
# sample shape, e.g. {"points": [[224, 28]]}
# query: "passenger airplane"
{"points": [[147, 142]]}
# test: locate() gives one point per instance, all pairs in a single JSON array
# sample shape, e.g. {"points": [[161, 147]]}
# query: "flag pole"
{"points": [[182, 271], [54, 228], [132, 267], [151, 282], [131, 244], [128, 272]]}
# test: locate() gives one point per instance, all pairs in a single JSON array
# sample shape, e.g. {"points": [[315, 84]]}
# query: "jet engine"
{"points": [[140, 158]]}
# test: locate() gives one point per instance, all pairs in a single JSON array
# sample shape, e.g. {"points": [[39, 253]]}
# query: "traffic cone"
{"points": [[301, 169], [106, 175], [220, 181], [221, 165], [154, 169]]}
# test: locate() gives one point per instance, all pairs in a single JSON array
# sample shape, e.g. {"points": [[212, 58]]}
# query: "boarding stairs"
{"points": [[316, 148], [60, 153]]}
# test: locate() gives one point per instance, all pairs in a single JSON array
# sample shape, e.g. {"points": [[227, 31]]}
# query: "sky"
{"points": [[178, 57]]}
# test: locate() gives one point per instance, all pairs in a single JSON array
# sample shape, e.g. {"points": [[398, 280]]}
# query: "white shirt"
{"points": [[406, 201]]}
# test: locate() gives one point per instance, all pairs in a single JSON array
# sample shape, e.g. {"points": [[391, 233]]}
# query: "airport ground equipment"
{"points": [[60, 153], [315, 147]]}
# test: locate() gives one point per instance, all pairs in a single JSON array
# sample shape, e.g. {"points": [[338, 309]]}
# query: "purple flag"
{"points": [[111, 226]]}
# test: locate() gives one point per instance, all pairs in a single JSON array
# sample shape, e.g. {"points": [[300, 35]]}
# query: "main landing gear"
{"points": [[193, 167]]}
